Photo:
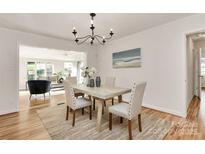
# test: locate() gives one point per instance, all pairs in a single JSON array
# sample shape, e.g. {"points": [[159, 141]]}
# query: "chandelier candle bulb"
{"points": [[74, 32], [73, 28]]}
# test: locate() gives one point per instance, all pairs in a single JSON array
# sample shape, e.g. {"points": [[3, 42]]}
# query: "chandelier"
{"points": [[92, 36]]}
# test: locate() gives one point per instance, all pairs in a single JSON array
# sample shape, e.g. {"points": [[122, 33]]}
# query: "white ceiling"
{"points": [[60, 25], [50, 54]]}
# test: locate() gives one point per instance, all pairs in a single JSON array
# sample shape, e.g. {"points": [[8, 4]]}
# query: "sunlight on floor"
{"points": [[38, 101]]}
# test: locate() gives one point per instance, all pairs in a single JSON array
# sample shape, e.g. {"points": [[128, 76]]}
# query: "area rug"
{"points": [[53, 118]]}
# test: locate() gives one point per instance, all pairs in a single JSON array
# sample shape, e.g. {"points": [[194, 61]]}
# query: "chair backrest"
{"points": [[110, 82], [39, 86], [69, 94], [136, 99], [72, 80]]}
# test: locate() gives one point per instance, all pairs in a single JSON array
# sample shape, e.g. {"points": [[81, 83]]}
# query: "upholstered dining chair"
{"points": [[75, 103], [73, 80], [109, 82], [129, 110]]}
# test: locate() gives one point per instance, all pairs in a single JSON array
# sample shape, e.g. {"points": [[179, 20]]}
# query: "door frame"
{"points": [[186, 94], [197, 75]]}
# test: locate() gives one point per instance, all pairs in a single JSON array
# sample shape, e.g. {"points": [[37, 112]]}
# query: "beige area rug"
{"points": [[153, 128]]}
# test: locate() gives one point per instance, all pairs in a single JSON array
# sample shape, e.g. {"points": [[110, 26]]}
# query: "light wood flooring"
{"points": [[27, 125]]}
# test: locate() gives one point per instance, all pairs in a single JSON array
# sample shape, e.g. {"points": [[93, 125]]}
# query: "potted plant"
{"points": [[60, 76], [87, 73]]}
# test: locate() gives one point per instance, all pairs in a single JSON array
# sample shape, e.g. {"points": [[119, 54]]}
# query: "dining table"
{"points": [[101, 93]]}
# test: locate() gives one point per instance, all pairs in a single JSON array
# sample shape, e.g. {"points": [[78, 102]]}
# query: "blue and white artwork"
{"points": [[127, 58]]}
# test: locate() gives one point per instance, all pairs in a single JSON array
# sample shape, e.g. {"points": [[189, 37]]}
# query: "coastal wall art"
{"points": [[127, 58]]}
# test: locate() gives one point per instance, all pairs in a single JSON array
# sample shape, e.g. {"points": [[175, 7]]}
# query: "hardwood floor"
{"points": [[27, 125]]}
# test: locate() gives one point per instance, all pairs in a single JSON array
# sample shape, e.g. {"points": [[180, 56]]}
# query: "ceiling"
{"points": [[60, 25], [50, 54]]}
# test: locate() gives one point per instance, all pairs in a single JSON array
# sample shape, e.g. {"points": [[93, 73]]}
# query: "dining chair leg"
{"points": [[130, 129], [121, 119], [139, 122], [104, 103], [82, 111], [93, 103], [30, 96], [73, 118], [89, 97], [110, 121], [103, 110], [119, 98], [90, 112], [67, 113], [112, 101]]}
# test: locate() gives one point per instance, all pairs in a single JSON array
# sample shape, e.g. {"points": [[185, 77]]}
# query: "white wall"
{"points": [[9, 78], [163, 63], [190, 70], [58, 66]]}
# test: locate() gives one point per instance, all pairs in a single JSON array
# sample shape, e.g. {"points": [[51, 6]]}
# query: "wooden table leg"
{"points": [[89, 97], [99, 114], [119, 98]]}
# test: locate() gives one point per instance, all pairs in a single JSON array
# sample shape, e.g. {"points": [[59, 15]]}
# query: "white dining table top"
{"points": [[102, 92]]}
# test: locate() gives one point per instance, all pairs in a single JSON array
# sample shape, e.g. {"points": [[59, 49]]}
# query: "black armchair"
{"points": [[39, 87]]}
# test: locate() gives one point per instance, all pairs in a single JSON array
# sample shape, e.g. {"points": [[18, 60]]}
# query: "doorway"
{"points": [[53, 65], [195, 66]]}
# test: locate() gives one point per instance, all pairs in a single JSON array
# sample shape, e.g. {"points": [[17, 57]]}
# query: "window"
{"points": [[49, 69], [36, 70], [80, 65], [41, 69], [68, 67], [31, 70]]}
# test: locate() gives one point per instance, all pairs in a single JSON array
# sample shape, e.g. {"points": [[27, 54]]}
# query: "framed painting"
{"points": [[127, 58]]}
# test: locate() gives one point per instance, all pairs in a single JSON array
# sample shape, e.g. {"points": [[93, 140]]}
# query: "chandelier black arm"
{"points": [[106, 38], [83, 40], [99, 40], [99, 36], [89, 36]]}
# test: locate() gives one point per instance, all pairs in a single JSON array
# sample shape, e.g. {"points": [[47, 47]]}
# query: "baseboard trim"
{"points": [[161, 109], [174, 112], [8, 112]]}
